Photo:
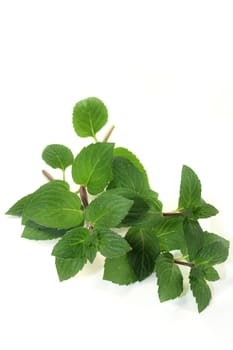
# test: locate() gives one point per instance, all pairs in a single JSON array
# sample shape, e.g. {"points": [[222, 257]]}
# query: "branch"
{"points": [[83, 196], [173, 214], [47, 175], [184, 263], [106, 137]]}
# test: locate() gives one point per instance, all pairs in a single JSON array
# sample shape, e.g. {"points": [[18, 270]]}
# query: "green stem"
{"points": [[63, 175]]}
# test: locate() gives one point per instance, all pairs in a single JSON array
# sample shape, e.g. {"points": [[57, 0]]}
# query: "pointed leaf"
{"points": [[204, 210], [190, 189], [107, 210], [200, 288], [126, 175], [169, 277], [57, 156], [93, 166], [211, 274], [111, 244], [54, 208], [89, 116], [118, 270], [67, 268], [125, 153], [194, 237], [145, 249], [18, 208], [215, 250]]}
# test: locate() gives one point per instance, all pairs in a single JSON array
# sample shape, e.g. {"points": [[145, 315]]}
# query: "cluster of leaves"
{"points": [[122, 199]]}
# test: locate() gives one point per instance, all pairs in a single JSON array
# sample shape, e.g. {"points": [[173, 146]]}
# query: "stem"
{"points": [[83, 196], [47, 175], [184, 263], [63, 175], [108, 134], [173, 214]]}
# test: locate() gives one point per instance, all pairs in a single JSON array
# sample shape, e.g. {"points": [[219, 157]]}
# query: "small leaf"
{"points": [[118, 270], [211, 274], [18, 208], [67, 268], [76, 243], [54, 208], [125, 153], [93, 166], [170, 233], [204, 210], [126, 175], [145, 249], [89, 116], [215, 250], [41, 233], [111, 244], [169, 277], [194, 237], [190, 189], [200, 288], [57, 156], [107, 210]]}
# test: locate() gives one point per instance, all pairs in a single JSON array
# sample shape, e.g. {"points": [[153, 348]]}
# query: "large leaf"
{"points": [[194, 237], [93, 166], [110, 244], [89, 116], [127, 175], [107, 210], [200, 288], [76, 243], [145, 249], [190, 189], [170, 233], [54, 208], [118, 270], [37, 232], [57, 156], [169, 277], [67, 268], [214, 251]]}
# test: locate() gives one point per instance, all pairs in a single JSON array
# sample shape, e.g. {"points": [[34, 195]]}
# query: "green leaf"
{"points": [[204, 210], [67, 268], [18, 208], [54, 208], [215, 250], [125, 153], [170, 233], [57, 156], [118, 270], [111, 244], [89, 116], [145, 249], [37, 232], [200, 288], [76, 243], [169, 277], [190, 189], [107, 210], [93, 166], [194, 237], [126, 175], [211, 274]]}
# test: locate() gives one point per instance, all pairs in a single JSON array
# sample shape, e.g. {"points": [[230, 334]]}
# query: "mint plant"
{"points": [[154, 242]]}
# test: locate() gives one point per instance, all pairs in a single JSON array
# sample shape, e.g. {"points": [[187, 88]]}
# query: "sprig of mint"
{"points": [[155, 242]]}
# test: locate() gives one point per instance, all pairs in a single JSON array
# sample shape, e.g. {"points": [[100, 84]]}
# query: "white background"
{"points": [[165, 71]]}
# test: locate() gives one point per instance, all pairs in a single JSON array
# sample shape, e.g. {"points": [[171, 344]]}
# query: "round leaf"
{"points": [[58, 156], [89, 116]]}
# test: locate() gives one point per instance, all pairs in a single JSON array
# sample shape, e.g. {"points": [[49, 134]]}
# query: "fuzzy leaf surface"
{"points": [[215, 250], [54, 208], [119, 271], [57, 156], [169, 277], [194, 237], [93, 166], [145, 249], [200, 288], [67, 268], [89, 116], [110, 244], [190, 189], [107, 210]]}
